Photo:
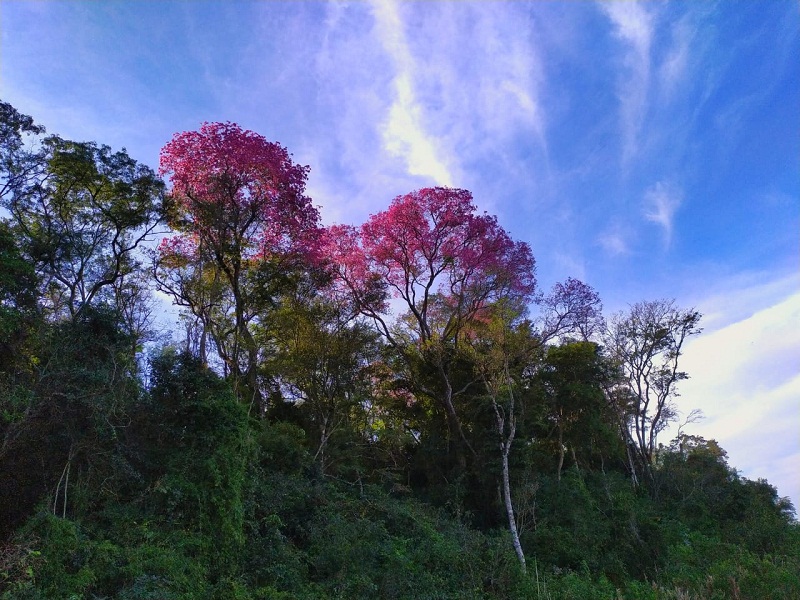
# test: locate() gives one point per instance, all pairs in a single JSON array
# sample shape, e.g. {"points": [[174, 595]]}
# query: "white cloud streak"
{"points": [[404, 133], [414, 94], [745, 377], [633, 25], [673, 68], [662, 200]]}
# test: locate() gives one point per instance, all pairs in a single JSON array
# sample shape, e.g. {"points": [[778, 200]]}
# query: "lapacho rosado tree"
{"points": [[239, 209], [445, 264]]}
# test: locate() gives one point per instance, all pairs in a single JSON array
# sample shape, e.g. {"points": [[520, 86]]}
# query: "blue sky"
{"points": [[651, 150]]}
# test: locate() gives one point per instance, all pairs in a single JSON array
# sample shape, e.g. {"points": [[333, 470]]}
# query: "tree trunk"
{"points": [[454, 423], [512, 522], [560, 450], [457, 437], [505, 449]]}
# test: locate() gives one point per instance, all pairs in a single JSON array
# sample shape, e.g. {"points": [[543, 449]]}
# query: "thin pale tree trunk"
{"points": [[512, 521], [505, 450], [560, 449]]}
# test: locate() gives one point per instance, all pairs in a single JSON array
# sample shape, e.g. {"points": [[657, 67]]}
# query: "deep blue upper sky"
{"points": [[652, 150]]}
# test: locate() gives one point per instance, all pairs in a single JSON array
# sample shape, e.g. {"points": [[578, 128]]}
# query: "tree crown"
{"points": [[238, 191]]}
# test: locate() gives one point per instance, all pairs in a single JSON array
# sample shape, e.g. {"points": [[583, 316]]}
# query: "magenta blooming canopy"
{"points": [[233, 187]]}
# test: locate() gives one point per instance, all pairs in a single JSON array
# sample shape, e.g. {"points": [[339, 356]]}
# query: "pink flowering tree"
{"points": [[466, 286], [239, 208], [446, 265]]}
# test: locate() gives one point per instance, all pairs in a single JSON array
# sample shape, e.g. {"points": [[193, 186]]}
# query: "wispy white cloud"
{"points": [[745, 377], [672, 70], [481, 75], [512, 70], [410, 94], [352, 173], [633, 25], [662, 200], [614, 241], [404, 133]]}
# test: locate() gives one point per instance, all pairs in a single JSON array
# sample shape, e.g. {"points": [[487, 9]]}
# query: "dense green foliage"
{"points": [[137, 471]]}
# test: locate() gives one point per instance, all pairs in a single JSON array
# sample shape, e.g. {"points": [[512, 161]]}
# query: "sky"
{"points": [[649, 149]]}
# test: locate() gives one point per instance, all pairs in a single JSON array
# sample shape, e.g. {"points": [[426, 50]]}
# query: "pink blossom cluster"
{"points": [[178, 250], [241, 198], [236, 189], [353, 277], [432, 249]]}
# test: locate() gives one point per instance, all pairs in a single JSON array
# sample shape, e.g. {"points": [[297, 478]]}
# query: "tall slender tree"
{"points": [[647, 343], [502, 348], [239, 208]]}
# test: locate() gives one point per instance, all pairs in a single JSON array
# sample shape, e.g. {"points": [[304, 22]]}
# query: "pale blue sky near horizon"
{"points": [[649, 149]]}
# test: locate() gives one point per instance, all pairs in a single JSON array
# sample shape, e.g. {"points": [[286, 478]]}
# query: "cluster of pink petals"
{"points": [[432, 240], [239, 193], [353, 277], [178, 249], [235, 186], [432, 249]]}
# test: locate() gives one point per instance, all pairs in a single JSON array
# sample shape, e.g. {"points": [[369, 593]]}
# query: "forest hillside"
{"points": [[385, 410]]}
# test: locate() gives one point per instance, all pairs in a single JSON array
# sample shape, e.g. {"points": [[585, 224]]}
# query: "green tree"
{"points": [[18, 308], [81, 222], [19, 324], [21, 163], [65, 446], [572, 378], [322, 363], [78, 213]]}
